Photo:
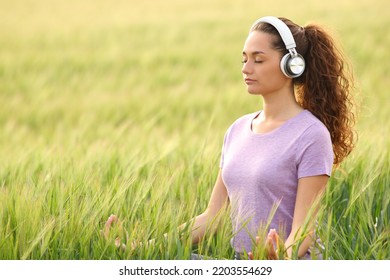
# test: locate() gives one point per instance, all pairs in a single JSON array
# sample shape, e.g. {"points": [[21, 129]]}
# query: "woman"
{"points": [[276, 162]]}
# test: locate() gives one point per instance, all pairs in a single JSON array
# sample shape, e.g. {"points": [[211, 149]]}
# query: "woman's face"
{"points": [[261, 65]]}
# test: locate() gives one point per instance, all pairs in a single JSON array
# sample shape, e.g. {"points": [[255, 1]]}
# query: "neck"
{"points": [[280, 106]]}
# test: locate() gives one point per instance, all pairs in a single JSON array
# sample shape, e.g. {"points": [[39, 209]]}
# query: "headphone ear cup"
{"points": [[283, 65], [292, 66]]}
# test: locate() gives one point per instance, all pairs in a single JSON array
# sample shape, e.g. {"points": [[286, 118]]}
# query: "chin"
{"points": [[253, 92]]}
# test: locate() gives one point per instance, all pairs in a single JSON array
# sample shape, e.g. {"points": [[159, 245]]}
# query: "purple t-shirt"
{"points": [[262, 170]]}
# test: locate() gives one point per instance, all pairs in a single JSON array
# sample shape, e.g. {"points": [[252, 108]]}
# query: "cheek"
{"points": [[274, 73], [274, 68], [272, 80]]}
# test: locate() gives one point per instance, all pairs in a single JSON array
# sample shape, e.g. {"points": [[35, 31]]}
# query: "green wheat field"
{"points": [[120, 107]]}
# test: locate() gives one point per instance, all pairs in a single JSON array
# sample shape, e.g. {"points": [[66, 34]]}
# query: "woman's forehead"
{"points": [[257, 42]]}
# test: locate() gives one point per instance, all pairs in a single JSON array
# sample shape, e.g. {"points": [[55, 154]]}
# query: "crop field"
{"points": [[120, 107]]}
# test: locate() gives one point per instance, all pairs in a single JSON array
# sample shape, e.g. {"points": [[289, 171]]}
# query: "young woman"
{"points": [[282, 156]]}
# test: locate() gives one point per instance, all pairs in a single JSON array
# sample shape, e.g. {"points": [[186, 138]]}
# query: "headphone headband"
{"points": [[282, 28]]}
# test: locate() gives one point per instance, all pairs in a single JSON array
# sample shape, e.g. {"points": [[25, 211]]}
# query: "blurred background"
{"points": [[121, 106]]}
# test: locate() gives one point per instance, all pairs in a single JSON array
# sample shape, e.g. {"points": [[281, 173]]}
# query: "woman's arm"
{"points": [[309, 190]]}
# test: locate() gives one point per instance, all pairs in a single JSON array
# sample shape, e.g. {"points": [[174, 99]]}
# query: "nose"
{"points": [[246, 68]]}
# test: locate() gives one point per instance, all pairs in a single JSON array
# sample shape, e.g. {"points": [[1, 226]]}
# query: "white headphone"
{"points": [[292, 64]]}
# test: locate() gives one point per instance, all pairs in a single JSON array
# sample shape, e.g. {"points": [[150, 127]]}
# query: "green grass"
{"points": [[121, 107]]}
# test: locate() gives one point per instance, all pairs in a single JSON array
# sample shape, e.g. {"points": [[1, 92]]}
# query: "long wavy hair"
{"points": [[325, 88]]}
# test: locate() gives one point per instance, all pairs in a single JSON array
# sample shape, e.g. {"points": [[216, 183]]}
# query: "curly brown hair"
{"points": [[325, 88]]}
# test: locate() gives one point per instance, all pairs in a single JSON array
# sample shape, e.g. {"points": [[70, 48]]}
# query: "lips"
{"points": [[249, 81]]}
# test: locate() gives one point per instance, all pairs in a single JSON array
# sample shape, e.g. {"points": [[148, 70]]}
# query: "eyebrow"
{"points": [[254, 53]]}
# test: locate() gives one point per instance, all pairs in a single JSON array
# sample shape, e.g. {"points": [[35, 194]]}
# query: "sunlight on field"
{"points": [[121, 107]]}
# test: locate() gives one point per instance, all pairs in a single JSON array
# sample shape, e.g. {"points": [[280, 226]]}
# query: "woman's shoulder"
{"points": [[243, 120], [313, 126], [241, 123]]}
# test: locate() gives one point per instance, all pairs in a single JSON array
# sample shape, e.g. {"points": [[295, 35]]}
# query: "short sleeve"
{"points": [[224, 147], [315, 152]]}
